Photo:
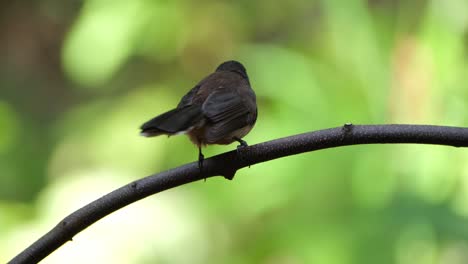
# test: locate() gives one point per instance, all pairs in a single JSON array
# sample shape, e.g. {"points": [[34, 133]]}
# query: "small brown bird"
{"points": [[220, 109]]}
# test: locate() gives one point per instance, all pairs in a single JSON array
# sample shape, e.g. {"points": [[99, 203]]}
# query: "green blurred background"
{"points": [[77, 78]]}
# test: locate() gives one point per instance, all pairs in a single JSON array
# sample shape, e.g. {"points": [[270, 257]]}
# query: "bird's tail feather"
{"points": [[173, 122]]}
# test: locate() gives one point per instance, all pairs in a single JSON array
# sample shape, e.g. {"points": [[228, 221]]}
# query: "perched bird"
{"points": [[220, 109]]}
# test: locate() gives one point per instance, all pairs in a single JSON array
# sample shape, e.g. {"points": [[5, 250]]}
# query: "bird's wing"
{"points": [[227, 112], [224, 106], [187, 99]]}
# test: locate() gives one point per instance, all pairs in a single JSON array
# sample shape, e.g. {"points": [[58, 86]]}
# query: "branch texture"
{"points": [[228, 163]]}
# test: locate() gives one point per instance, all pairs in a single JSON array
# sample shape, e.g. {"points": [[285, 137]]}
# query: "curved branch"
{"points": [[228, 163]]}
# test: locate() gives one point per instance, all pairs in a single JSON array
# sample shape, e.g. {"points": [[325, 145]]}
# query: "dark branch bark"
{"points": [[228, 163]]}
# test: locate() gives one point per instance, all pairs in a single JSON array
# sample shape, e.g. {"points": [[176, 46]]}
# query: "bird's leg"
{"points": [[242, 145], [200, 159], [242, 142]]}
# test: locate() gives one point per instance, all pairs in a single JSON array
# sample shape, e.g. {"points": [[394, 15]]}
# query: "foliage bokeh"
{"points": [[77, 78]]}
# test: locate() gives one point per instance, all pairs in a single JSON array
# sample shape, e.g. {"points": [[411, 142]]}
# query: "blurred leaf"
{"points": [[102, 39]]}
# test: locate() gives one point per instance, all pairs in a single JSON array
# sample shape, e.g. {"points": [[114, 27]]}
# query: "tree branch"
{"points": [[228, 163]]}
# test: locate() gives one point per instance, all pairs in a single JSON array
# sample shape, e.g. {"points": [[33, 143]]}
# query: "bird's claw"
{"points": [[201, 158], [200, 162], [242, 142], [240, 148]]}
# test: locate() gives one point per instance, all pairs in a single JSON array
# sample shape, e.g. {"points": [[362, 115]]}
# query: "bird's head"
{"points": [[233, 66]]}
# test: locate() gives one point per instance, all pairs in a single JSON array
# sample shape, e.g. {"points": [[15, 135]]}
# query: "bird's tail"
{"points": [[172, 122]]}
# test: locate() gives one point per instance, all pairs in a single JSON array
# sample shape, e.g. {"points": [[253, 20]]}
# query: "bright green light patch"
{"points": [[101, 40], [8, 125], [113, 141]]}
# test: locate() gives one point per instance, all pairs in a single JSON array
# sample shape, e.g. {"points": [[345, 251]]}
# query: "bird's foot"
{"points": [[242, 142], [240, 148]]}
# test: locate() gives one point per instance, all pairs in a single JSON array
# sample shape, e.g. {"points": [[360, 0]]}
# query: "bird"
{"points": [[220, 109]]}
